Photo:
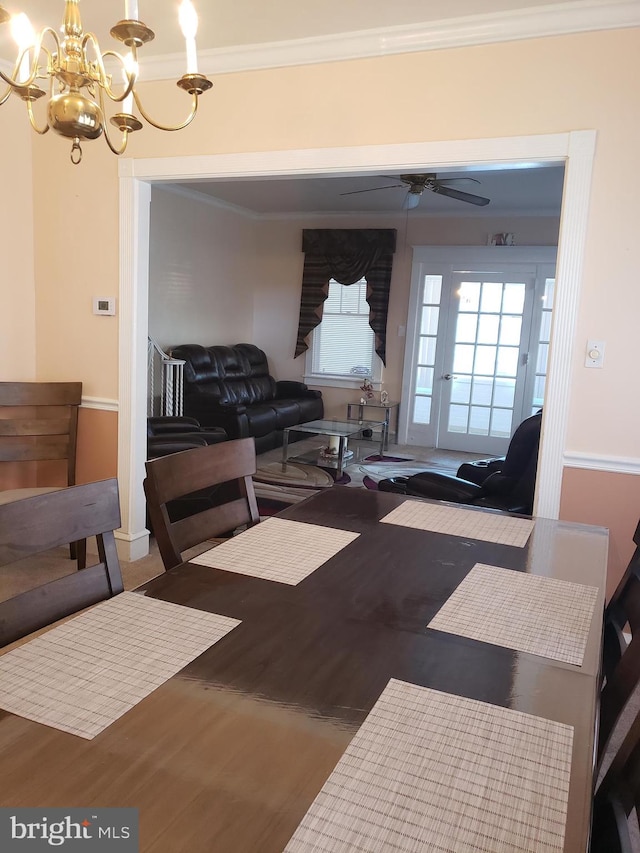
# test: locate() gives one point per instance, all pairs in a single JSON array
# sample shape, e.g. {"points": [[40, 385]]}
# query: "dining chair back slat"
{"points": [[178, 475], [33, 525], [39, 423], [620, 656], [617, 800]]}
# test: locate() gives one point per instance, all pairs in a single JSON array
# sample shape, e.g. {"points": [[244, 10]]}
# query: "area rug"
{"points": [[276, 488]]}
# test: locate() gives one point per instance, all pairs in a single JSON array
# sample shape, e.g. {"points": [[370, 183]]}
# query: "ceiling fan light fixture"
{"points": [[412, 200]]}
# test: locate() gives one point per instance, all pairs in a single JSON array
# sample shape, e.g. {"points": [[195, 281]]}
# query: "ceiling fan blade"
{"points": [[373, 189], [446, 181], [478, 200]]}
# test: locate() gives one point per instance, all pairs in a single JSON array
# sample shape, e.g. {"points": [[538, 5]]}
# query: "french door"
{"points": [[477, 345]]}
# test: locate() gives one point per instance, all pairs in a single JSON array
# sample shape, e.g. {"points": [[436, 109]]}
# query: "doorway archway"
{"points": [[575, 149]]}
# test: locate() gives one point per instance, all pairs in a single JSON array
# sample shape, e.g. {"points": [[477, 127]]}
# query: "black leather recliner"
{"points": [[507, 484]]}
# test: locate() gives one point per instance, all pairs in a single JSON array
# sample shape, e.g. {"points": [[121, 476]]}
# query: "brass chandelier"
{"points": [[78, 83]]}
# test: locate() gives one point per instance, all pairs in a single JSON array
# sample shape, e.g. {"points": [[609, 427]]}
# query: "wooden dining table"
{"points": [[229, 754]]}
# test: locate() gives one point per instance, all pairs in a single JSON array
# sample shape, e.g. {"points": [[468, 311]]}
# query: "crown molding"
{"points": [[536, 22], [211, 201]]}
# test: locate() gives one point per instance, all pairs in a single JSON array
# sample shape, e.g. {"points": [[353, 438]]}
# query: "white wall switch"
{"points": [[595, 354], [104, 305]]}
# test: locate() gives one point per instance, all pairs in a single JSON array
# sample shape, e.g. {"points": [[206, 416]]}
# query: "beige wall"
{"points": [[17, 283], [525, 87], [201, 272]]}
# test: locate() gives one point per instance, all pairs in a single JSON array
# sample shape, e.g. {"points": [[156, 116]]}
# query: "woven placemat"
{"points": [[470, 524], [86, 673], [278, 550], [529, 613], [432, 771]]}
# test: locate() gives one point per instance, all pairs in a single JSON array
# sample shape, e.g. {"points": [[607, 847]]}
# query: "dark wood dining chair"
{"points": [[39, 423], [33, 525], [620, 656], [617, 800], [170, 478]]}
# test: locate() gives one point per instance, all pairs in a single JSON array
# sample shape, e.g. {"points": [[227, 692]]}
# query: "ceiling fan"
{"points": [[417, 184]]}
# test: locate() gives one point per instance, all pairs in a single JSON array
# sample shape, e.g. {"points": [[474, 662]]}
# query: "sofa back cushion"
{"points": [[235, 375]]}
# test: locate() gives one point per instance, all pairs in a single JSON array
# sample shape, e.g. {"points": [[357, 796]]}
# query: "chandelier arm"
{"points": [[38, 48], [146, 117], [131, 77], [6, 95], [125, 134], [32, 120], [104, 77]]}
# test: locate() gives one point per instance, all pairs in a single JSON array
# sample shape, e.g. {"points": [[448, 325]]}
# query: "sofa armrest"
{"points": [[210, 412], [442, 487], [167, 444], [167, 425], [287, 389]]}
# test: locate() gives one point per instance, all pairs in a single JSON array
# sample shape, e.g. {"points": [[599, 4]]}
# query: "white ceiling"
{"points": [[530, 191]]}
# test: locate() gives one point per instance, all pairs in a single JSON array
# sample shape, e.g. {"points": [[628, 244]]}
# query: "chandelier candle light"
{"points": [[74, 66]]}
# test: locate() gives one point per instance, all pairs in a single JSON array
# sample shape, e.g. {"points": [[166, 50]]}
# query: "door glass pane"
{"points": [[479, 421], [424, 380], [501, 423], [504, 392], [469, 295], [491, 296], [461, 389], [463, 358], [422, 410], [427, 351], [429, 320], [432, 288], [458, 418], [545, 326], [488, 329], [514, 298], [549, 289], [510, 331], [507, 361], [543, 353], [466, 328], [482, 391], [485, 360], [538, 392]]}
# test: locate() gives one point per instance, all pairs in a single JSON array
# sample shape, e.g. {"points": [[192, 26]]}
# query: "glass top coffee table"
{"points": [[333, 452]]}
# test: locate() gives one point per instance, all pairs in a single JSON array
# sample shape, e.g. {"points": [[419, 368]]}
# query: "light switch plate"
{"points": [[595, 354], [104, 305]]}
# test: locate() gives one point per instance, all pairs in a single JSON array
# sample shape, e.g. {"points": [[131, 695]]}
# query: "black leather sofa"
{"points": [[231, 387]]}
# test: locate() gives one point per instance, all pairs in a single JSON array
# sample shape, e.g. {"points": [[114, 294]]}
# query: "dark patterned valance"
{"points": [[346, 255]]}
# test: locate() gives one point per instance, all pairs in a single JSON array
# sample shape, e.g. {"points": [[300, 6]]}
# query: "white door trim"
{"points": [[575, 149]]}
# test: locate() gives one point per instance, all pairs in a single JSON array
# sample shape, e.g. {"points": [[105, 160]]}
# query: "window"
{"points": [[342, 346]]}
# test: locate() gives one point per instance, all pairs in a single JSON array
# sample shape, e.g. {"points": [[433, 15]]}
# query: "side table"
{"points": [[356, 412]]}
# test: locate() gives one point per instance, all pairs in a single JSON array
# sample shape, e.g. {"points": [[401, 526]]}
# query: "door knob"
{"points": [[448, 376]]}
